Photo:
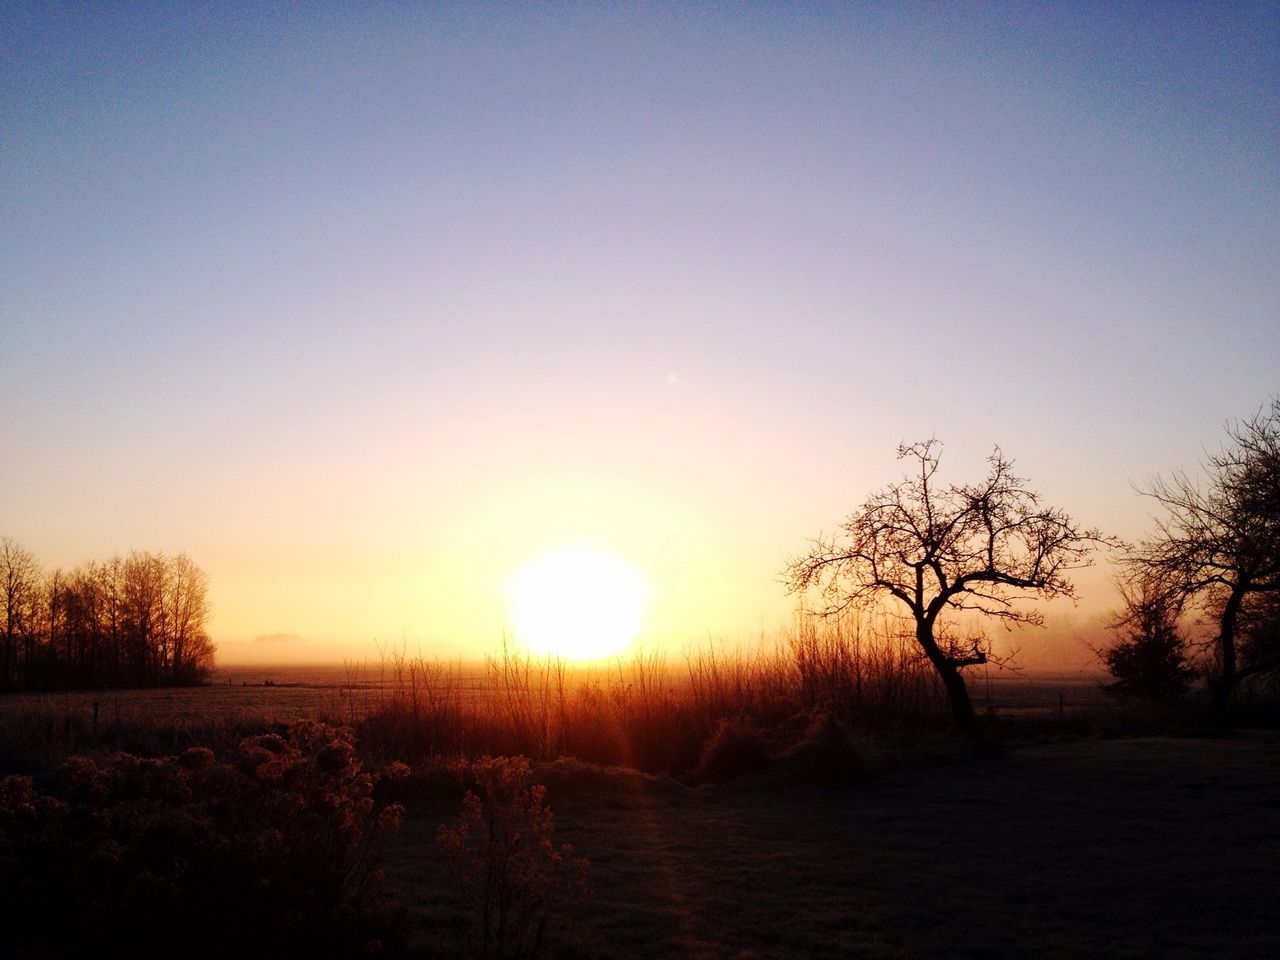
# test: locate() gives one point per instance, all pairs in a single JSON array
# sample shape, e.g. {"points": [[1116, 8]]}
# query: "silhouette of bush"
{"points": [[1150, 661], [516, 881], [825, 753], [274, 847], [736, 748]]}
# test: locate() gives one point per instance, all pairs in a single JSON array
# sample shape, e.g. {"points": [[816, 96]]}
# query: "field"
{"points": [[1087, 848], [652, 714], [351, 692], [1048, 837]]}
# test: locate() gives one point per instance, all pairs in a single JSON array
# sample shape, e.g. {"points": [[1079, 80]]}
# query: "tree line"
{"points": [[134, 621]]}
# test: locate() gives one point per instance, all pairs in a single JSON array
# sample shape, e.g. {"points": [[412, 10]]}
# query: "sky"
{"points": [[367, 307]]}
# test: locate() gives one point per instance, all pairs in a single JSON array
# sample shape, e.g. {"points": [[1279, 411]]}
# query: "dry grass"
{"points": [[653, 712], [36, 734], [650, 712]]}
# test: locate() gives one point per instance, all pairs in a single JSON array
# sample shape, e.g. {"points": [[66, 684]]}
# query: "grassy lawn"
{"points": [[1087, 848]]}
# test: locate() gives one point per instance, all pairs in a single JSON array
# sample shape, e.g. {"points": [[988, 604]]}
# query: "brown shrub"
{"points": [[736, 748], [517, 882], [283, 834], [826, 752]]}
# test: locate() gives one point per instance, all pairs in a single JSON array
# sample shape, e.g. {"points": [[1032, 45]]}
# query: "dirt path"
{"points": [[1126, 849]]}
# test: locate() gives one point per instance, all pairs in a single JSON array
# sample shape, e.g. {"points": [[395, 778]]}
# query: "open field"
{"points": [[292, 692], [1036, 841], [1086, 848], [652, 714]]}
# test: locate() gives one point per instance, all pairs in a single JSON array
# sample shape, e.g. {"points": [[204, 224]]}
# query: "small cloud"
{"points": [[278, 638]]}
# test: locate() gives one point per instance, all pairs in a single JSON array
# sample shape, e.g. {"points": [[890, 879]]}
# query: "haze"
{"points": [[366, 308]]}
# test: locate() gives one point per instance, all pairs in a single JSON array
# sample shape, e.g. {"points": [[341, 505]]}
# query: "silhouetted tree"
{"points": [[1259, 637], [44, 664], [1217, 550], [1149, 661], [942, 550], [20, 596], [137, 621], [187, 600], [144, 617]]}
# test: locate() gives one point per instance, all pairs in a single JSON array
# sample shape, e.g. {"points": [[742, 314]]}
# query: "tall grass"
{"points": [[651, 712], [871, 676]]}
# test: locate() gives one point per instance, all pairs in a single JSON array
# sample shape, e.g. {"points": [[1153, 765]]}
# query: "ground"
{"points": [[1087, 848]]}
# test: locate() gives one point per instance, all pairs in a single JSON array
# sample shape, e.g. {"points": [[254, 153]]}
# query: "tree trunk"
{"points": [[6, 672], [1220, 689], [957, 692]]}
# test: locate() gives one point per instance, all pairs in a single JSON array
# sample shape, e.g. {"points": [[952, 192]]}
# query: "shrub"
{"points": [[514, 878], [283, 835], [735, 748], [825, 753], [1150, 661]]}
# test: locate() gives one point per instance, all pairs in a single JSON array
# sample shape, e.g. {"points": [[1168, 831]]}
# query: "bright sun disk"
{"points": [[577, 603]]}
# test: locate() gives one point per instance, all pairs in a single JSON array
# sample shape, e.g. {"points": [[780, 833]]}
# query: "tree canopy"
{"points": [[135, 621]]}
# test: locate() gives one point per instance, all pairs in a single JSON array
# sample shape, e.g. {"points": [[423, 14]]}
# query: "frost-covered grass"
{"points": [[743, 807], [1081, 848]]}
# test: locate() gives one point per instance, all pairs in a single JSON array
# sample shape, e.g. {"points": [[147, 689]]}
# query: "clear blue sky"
{"points": [[363, 306]]}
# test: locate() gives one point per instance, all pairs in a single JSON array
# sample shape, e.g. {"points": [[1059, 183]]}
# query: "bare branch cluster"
{"points": [[976, 547], [140, 620], [940, 550], [1216, 549]]}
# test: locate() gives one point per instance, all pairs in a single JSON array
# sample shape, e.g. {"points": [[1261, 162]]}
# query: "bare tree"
{"points": [[1217, 550], [19, 603], [43, 662], [941, 551], [137, 621], [145, 626], [186, 596]]}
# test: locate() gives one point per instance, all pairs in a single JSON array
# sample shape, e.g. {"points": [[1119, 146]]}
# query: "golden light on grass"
{"points": [[577, 603]]}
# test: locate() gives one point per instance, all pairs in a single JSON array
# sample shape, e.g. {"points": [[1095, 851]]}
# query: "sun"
{"points": [[577, 603]]}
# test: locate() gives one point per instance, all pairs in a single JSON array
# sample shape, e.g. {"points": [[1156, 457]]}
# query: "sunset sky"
{"points": [[367, 307]]}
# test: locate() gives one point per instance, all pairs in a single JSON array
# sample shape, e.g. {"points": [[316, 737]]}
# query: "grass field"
{"points": [[647, 712], [351, 692], [717, 820], [1086, 848]]}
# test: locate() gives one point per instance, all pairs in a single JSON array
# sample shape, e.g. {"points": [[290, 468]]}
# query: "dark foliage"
{"points": [[736, 748], [1150, 660], [519, 885], [135, 621], [271, 849], [826, 753]]}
